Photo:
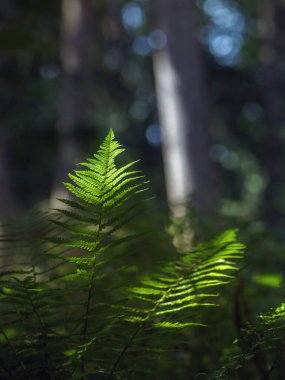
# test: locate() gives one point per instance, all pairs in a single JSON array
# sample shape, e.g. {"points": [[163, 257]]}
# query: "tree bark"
{"points": [[76, 52], [9, 202], [272, 56], [9, 205], [184, 110]]}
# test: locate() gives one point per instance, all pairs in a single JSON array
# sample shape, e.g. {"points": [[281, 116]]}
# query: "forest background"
{"points": [[196, 88]]}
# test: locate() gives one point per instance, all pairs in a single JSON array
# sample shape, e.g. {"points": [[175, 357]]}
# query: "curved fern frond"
{"points": [[187, 282], [168, 299]]}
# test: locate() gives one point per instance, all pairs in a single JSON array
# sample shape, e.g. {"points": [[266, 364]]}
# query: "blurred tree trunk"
{"points": [[272, 55], [77, 43], [9, 202], [184, 109], [9, 206]]}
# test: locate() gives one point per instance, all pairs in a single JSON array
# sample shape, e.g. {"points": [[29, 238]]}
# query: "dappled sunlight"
{"points": [[225, 36], [132, 16], [153, 134]]}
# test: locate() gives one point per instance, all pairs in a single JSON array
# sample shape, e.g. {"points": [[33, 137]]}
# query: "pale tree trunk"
{"points": [[272, 56], [76, 52], [184, 110]]}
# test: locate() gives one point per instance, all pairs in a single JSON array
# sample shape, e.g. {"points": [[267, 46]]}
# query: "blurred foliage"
{"points": [[72, 306]]}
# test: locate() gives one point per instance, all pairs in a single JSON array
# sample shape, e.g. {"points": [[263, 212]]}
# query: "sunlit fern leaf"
{"points": [[106, 199], [42, 317], [168, 299], [189, 281]]}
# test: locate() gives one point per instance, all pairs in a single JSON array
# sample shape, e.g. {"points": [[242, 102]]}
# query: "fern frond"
{"points": [[104, 195], [262, 339], [168, 300], [183, 283], [66, 313], [106, 199]]}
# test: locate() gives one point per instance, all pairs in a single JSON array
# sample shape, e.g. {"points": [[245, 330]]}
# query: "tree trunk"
{"points": [[184, 110], [9, 206], [77, 42], [9, 202], [272, 57]]}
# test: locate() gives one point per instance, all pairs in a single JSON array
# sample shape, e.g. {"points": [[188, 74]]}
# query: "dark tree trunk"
{"points": [[9, 202], [273, 60], [77, 43], [9, 206]]}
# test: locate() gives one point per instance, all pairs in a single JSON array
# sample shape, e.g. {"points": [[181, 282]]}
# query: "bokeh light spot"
{"points": [[50, 71], [227, 158], [224, 15], [141, 46], [225, 36], [113, 59], [157, 39], [255, 183], [139, 110], [219, 152], [222, 45], [153, 134], [132, 16], [252, 112]]}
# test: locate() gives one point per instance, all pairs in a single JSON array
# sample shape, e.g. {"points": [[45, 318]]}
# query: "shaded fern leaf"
{"points": [[31, 333], [261, 346]]}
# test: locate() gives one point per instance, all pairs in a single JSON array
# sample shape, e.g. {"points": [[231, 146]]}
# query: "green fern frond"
{"points": [[61, 315], [105, 199], [259, 341], [183, 283], [168, 299]]}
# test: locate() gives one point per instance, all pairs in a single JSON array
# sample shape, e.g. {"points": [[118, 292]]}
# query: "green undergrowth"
{"points": [[75, 303]]}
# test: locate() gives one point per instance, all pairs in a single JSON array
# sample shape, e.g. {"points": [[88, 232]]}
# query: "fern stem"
{"points": [[16, 354], [124, 350], [91, 286], [90, 291], [133, 336], [44, 333], [141, 325], [86, 315]]}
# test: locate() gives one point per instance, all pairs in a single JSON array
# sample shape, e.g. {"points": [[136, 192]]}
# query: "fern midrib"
{"points": [[22, 365], [140, 326], [91, 285], [165, 294], [44, 333]]}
